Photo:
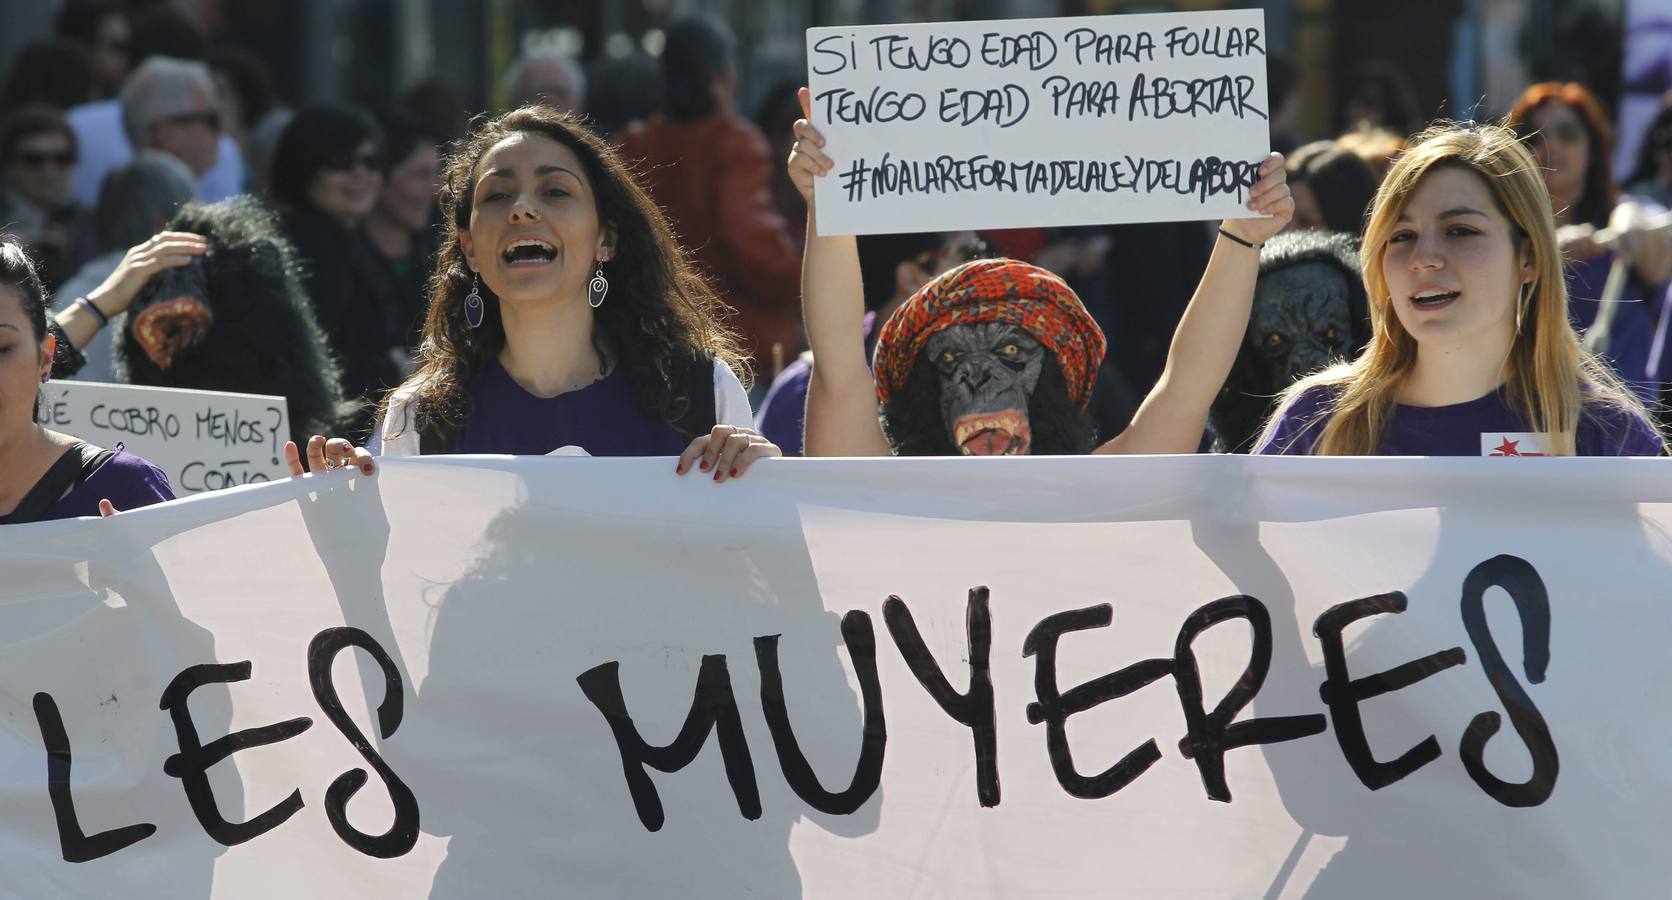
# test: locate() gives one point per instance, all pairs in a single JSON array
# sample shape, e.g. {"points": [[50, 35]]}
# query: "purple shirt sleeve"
{"points": [[1297, 427], [1608, 431], [127, 481], [782, 416]]}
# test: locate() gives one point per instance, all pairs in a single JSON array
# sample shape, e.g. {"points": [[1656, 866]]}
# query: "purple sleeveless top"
{"points": [[127, 481]]}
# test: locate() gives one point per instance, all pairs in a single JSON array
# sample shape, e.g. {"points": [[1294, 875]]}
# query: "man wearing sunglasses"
{"points": [[37, 152], [169, 105], [166, 104]]}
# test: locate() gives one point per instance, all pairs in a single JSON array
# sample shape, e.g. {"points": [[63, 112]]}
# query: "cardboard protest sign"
{"points": [[203, 440], [1035, 122], [1204, 676]]}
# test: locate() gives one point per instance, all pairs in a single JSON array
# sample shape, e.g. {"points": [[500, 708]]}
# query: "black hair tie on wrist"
{"points": [[1235, 239], [95, 310]]}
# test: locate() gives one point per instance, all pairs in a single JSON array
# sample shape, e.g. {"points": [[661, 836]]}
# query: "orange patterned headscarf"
{"points": [[1008, 291]]}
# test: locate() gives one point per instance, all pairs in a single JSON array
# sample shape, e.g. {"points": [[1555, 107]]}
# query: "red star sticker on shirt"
{"points": [[1507, 448]]}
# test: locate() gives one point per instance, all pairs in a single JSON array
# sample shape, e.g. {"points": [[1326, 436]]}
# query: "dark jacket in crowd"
{"points": [[713, 177], [353, 299]]}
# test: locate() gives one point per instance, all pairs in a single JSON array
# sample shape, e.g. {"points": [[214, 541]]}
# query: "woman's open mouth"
{"points": [[528, 252], [1427, 300]]}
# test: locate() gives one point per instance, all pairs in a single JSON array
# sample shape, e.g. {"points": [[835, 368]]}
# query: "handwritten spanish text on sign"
{"points": [[203, 440], [1037, 122]]}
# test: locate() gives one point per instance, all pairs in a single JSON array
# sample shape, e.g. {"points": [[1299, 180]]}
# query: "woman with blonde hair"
{"points": [[1471, 352]]}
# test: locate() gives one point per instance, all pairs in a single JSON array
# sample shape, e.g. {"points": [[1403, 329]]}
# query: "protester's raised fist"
{"points": [[807, 160], [1269, 197]]}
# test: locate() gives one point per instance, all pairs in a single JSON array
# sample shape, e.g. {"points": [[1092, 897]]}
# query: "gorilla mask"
{"points": [[988, 372], [172, 314], [995, 357], [1302, 320], [1309, 311]]}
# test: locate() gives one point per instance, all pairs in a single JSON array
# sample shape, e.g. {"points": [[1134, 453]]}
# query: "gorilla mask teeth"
{"points": [[1002, 433], [165, 329]]}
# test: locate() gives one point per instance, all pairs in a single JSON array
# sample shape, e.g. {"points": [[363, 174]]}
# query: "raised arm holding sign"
{"points": [[1005, 342]]}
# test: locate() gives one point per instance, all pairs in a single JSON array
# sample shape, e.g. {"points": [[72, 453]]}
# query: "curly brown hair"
{"points": [[660, 311]]}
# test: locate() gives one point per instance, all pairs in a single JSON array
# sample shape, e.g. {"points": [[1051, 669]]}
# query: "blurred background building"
{"points": [[1458, 56]]}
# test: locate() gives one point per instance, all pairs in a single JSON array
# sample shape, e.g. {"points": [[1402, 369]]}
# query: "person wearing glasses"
{"points": [[169, 105], [37, 153], [327, 173], [1565, 128]]}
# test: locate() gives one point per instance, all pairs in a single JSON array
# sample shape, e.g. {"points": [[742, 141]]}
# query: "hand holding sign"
{"points": [[1269, 197], [807, 159], [1039, 122]]}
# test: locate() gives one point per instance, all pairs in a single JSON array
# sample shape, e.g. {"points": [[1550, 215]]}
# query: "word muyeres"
{"points": [[1208, 736]]}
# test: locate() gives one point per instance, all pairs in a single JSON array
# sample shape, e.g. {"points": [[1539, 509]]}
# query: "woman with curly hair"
{"points": [[564, 314]]}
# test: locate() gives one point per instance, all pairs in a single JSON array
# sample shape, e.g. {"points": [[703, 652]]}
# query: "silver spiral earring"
{"points": [[598, 288], [473, 303]]}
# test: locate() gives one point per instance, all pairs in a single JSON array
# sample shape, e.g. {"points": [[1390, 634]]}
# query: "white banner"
{"points": [[202, 440], [1165, 677], [1038, 122]]}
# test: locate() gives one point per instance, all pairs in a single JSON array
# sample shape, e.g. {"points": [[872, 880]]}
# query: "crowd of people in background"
{"points": [[695, 238]]}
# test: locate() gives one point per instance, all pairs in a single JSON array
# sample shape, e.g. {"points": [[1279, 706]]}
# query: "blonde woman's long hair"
{"points": [[1549, 374]]}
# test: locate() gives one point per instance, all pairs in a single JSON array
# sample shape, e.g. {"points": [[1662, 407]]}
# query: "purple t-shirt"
{"points": [[1631, 334], [127, 481], [783, 415], [1487, 426], [605, 418]]}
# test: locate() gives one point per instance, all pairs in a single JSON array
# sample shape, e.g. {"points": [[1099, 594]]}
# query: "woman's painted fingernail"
{"points": [[717, 474], [366, 469], [679, 469], [704, 465], [734, 473]]}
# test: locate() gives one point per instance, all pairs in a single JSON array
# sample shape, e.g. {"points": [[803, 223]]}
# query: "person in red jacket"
{"points": [[710, 169]]}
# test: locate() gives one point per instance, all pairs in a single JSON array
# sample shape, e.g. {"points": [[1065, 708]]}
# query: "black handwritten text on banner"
{"points": [[1035, 122], [1222, 676]]}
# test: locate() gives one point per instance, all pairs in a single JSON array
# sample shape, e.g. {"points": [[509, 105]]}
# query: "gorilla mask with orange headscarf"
{"points": [[995, 357]]}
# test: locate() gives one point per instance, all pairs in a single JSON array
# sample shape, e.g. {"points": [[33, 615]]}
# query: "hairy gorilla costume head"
{"points": [[235, 319], [994, 357], [1309, 311]]}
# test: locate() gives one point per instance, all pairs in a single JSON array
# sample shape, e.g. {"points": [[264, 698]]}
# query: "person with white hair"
{"points": [[166, 104], [169, 105], [546, 76]]}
